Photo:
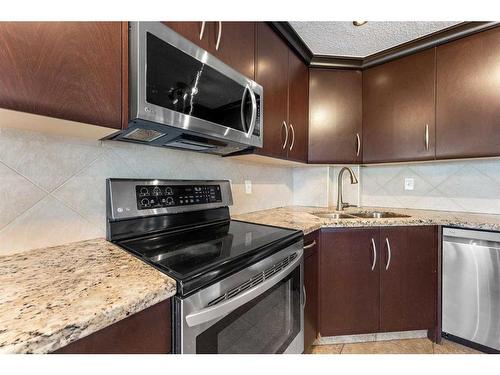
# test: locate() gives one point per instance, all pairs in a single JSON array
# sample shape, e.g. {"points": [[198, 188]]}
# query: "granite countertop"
{"points": [[53, 296], [302, 218]]}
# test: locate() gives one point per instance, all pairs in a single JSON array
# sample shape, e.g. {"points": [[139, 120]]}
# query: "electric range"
{"points": [[236, 281]]}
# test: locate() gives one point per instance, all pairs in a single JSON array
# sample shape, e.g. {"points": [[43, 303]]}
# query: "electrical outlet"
{"points": [[409, 183], [248, 186]]}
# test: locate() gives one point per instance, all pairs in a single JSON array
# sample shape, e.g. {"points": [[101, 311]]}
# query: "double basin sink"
{"points": [[360, 215]]}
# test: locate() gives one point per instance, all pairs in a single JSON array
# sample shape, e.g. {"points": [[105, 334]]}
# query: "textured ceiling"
{"points": [[345, 39]]}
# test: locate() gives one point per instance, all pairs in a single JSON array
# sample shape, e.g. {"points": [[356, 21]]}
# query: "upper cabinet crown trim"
{"points": [[458, 31]]}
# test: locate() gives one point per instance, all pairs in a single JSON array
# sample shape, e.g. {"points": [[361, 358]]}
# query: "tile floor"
{"points": [[408, 346]]}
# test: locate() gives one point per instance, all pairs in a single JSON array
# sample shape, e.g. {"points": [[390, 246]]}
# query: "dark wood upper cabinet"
{"points": [[399, 109], [236, 47], [67, 70], [284, 77], [237, 41], [191, 30], [349, 287], [272, 74], [408, 277], [298, 108], [468, 97], [311, 286], [335, 116]]}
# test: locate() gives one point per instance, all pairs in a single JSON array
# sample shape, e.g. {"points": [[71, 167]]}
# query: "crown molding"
{"points": [[449, 34], [288, 33]]}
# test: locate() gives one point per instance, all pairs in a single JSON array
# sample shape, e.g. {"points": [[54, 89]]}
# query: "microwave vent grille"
{"points": [[143, 135]]}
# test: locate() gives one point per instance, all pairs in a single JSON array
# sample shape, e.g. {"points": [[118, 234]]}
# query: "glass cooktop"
{"points": [[200, 256]]}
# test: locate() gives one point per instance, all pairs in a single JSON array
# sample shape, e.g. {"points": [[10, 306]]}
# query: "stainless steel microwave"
{"points": [[183, 97]]}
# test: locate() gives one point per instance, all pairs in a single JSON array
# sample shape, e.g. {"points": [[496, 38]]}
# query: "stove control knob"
{"points": [[169, 191], [170, 200], [156, 191], [144, 191], [145, 202]]}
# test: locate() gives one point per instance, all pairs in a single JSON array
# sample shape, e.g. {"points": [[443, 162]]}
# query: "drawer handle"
{"points": [[312, 244], [358, 144], [374, 248]]}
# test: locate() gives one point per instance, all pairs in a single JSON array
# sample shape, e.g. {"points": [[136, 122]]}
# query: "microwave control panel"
{"points": [[158, 196]]}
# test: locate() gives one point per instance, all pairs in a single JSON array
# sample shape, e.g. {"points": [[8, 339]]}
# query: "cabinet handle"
{"points": [[219, 35], [358, 144], [202, 31], [389, 253], [374, 248], [426, 137], [312, 244], [293, 136], [286, 135]]}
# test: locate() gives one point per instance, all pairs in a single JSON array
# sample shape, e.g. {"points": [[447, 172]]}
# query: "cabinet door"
{"points": [[236, 46], [311, 274], [68, 70], [298, 107], [349, 280], [399, 109], [272, 74], [408, 278], [191, 30], [468, 99], [146, 332], [335, 101]]}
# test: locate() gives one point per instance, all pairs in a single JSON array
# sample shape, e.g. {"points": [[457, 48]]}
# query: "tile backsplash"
{"points": [[52, 188], [469, 186], [317, 186]]}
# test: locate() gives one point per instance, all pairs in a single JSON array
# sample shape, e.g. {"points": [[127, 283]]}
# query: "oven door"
{"points": [[234, 317], [176, 83]]}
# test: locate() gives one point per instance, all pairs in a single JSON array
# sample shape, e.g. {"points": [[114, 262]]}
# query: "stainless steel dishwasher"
{"points": [[471, 286]]}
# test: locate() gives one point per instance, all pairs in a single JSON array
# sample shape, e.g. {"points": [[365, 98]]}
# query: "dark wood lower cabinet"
{"points": [[378, 280], [146, 332], [408, 282], [311, 274], [349, 288]]}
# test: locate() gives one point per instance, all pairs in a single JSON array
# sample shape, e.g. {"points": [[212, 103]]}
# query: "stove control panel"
{"points": [[158, 196]]}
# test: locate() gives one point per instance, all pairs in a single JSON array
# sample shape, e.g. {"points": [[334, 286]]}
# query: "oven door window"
{"points": [[181, 83], [267, 324]]}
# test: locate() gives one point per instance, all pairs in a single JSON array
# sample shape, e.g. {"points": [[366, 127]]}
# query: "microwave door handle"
{"points": [[254, 112], [242, 111], [223, 308]]}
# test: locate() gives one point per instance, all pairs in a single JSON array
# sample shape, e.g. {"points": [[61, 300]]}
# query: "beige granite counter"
{"points": [[54, 296], [51, 297], [302, 218]]}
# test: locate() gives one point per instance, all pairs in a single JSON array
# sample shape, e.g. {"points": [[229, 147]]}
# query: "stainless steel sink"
{"points": [[333, 215], [378, 215]]}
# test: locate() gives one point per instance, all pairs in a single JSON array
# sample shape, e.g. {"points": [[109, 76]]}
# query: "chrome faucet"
{"points": [[340, 204]]}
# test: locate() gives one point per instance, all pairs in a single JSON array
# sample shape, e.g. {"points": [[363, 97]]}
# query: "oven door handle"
{"points": [[223, 308]]}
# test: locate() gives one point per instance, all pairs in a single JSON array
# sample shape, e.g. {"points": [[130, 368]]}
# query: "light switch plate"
{"points": [[409, 183], [248, 186]]}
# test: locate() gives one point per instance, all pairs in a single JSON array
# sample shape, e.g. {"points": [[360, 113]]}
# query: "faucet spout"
{"points": [[354, 180]]}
